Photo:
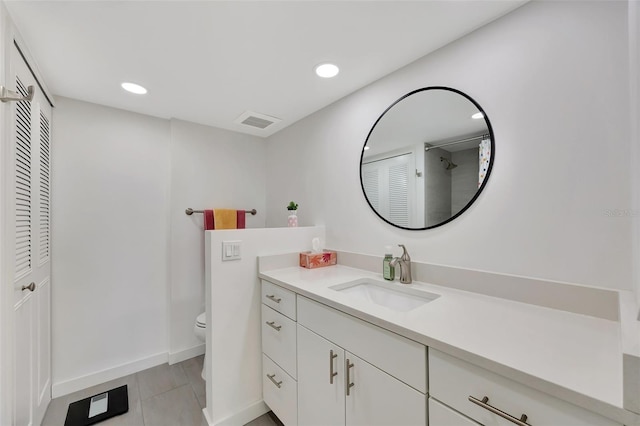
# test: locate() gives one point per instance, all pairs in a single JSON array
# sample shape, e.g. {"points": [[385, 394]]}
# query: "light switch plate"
{"points": [[231, 250]]}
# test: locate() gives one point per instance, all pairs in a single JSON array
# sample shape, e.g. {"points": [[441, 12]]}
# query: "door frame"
{"points": [[6, 317], [8, 37]]}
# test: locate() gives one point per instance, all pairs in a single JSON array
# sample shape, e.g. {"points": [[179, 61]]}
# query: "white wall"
{"points": [[234, 383], [126, 258], [552, 77], [109, 242], [210, 168], [634, 116]]}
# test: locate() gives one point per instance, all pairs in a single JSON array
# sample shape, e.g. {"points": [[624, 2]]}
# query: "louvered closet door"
{"points": [[31, 170], [391, 188]]}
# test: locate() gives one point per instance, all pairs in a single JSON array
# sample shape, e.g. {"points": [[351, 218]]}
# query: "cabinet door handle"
{"points": [[484, 403], [274, 298], [332, 374], [271, 377], [273, 325], [347, 384]]}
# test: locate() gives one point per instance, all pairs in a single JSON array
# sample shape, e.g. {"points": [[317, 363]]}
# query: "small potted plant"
{"points": [[292, 220]]}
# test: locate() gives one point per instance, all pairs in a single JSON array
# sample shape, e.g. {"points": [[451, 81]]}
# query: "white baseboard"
{"points": [[177, 357], [242, 417], [206, 417], [83, 382]]}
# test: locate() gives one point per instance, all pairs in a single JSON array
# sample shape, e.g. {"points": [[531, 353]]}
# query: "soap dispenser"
{"points": [[388, 271]]}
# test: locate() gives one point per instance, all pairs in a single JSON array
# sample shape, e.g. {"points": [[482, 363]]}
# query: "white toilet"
{"points": [[200, 330]]}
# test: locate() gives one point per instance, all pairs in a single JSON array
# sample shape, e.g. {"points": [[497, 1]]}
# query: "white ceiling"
{"points": [[210, 61]]}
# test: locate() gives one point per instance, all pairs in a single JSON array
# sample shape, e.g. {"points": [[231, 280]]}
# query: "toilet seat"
{"points": [[200, 330], [201, 321]]}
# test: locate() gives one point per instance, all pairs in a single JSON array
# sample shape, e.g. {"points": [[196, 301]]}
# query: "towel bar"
{"points": [[191, 211]]}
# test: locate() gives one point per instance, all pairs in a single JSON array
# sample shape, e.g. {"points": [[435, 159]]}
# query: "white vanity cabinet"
{"points": [[324, 367], [338, 387], [279, 370], [454, 382]]}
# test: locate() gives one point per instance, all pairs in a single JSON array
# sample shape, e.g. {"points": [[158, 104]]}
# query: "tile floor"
{"points": [[166, 395]]}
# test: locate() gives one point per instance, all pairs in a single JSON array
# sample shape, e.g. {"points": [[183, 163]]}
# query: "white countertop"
{"points": [[574, 357]]}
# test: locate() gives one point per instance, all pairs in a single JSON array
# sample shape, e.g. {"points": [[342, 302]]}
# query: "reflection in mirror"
{"points": [[427, 158]]}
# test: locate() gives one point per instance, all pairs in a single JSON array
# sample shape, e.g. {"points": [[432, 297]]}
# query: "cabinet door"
{"points": [[441, 415], [376, 398], [321, 380]]}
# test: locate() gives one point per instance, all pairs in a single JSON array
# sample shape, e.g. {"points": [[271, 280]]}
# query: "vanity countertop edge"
{"points": [[469, 326]]}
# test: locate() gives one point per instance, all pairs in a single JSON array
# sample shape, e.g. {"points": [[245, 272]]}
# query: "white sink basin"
{"points": [[390, 296]]}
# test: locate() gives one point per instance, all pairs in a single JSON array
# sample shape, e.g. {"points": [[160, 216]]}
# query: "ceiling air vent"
{"points": [[257, 120]]}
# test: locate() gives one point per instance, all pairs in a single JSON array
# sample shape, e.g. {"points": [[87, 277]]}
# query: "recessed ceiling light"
{"points": [[477, 116], [134, 88], [327, 70]]}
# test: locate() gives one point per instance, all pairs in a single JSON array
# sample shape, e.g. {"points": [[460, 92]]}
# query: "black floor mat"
{"points": [[78, 413]]}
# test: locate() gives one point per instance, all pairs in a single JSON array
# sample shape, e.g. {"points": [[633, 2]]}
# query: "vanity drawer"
{"points": [[402, 358], [452, 381], [279, 391], [280, 299], [279, 339], [441, 415]]}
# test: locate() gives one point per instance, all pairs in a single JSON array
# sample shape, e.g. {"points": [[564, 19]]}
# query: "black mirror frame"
{"points": [[484, 182]]}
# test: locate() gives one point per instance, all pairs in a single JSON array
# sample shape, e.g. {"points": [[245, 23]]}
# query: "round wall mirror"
{"points": [[427, 158]]}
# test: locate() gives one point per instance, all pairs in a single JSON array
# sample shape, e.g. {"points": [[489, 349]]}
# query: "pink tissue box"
{"points": [[317, 260]]}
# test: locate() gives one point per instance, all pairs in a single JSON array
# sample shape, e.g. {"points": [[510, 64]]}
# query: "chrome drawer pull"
{"points": [[273, 325], [274, 298], [271, 377], [484, 403], [348, 383], [332, 374]]}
